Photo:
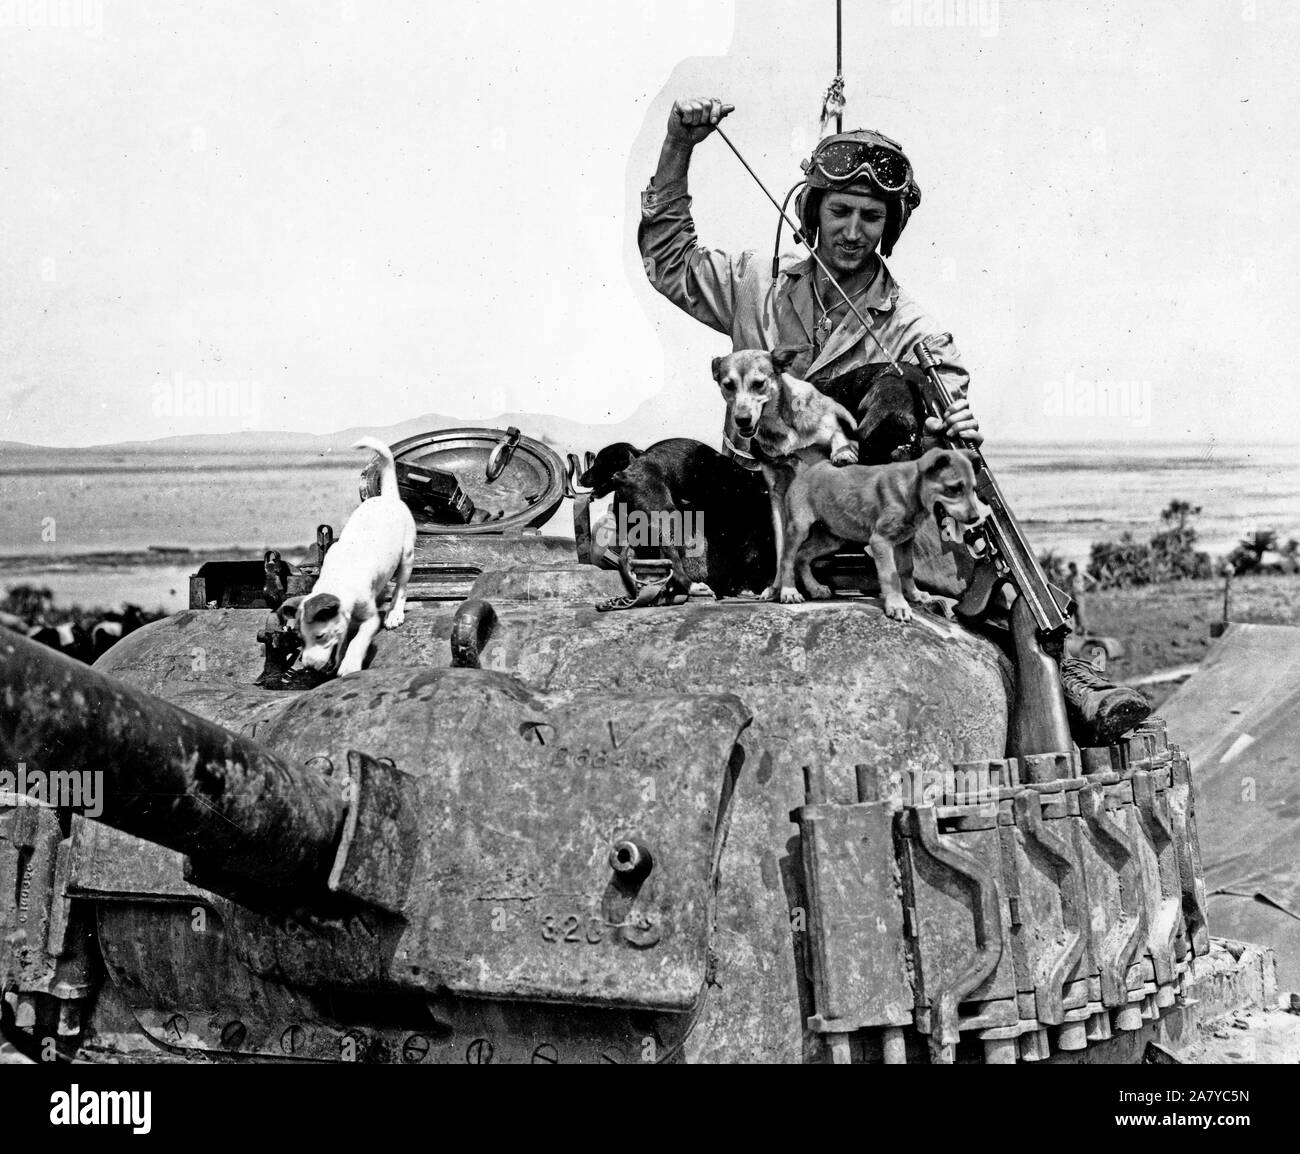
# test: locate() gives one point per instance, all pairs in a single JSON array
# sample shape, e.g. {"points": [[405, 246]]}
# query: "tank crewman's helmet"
{"points": [[864, 162]]}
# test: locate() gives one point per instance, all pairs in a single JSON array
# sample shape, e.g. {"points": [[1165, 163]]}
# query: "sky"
{"points": [[307, 216]]}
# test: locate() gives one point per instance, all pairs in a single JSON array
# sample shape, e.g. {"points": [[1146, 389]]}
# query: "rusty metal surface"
{"points": [[548, 583], [855, 918], [30, 837], [381, 835], [1117, 907], [1187, 844], [1049, 941], [49, 966], [1159, 864], [105, 862], [488, 550], [832, 685], [520, 797], [192, 987], [167, 775], [960, 920], [195, 648]]}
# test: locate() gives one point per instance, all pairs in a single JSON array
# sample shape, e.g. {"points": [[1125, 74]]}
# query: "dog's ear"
{"points": [[717, 369], [784, 357], [935, 461], [288, 610], [322, 607]]}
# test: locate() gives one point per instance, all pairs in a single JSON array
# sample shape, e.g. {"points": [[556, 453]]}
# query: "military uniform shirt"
{"points": [[737, 296]]}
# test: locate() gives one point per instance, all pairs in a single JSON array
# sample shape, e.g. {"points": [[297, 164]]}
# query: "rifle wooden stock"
{"points": [[1038, 721]]}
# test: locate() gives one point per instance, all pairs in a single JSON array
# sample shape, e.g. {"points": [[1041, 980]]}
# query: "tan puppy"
{"points": [[880, 505], [377, 542], [790, 422]]}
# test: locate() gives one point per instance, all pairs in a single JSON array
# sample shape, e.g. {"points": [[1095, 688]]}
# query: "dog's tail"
{"points": [[387, 479]]}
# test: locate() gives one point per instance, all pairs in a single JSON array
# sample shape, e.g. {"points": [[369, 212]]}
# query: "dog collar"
{"points": [[742, 458]]}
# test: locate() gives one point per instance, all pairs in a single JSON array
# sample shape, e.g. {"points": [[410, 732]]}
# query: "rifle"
{"points": [[1003, 558]]}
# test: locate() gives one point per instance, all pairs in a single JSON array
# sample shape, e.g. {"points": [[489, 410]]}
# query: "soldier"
{"points": [[859, 194], [1075, 586]]}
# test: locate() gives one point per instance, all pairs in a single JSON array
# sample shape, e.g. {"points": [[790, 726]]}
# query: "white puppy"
{"points": [[377, 542]]}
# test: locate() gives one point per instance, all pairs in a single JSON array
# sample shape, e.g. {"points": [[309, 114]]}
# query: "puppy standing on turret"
{"points": [[377, 543], [790, 423], [881, 506]]}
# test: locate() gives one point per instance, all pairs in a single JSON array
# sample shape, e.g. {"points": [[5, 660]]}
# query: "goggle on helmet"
{"points": [[862, 157]]}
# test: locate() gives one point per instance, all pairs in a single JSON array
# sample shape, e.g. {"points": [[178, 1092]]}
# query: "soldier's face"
{"points": [[849, 227]]}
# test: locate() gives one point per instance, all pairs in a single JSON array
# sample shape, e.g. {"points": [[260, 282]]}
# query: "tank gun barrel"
{"points": [[168, 776]]}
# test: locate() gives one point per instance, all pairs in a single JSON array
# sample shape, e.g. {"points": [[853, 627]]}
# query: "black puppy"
{"points": [[728, 505], [610, 460], [892, 412]]}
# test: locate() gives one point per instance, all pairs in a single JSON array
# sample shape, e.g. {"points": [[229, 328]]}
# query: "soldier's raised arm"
{"points": [[689, 122], [699, 280]]}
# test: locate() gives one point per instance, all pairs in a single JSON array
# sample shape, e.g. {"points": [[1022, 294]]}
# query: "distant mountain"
{"points": [[646, 425]]}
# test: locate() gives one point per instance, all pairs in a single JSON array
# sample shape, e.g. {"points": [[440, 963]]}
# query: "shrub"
{"points": [[1170, 554], [1248, 555], [29, 602], [1115, 564]]}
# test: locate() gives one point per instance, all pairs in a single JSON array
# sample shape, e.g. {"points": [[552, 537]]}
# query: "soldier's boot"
{"points": [[1100, 711]]}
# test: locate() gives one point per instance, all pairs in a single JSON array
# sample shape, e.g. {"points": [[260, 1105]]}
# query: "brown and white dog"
{"points": [[880, 505], [377, 543], [790, 423]]}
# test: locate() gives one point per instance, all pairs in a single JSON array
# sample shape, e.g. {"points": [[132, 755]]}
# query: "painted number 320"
{"points": [[571, 929]]}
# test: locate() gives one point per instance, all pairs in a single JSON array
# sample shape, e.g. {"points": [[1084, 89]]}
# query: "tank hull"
{"points": [[835, 686]]}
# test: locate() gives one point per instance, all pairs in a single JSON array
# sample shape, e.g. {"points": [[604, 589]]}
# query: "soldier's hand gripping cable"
{"points": [[857, 329]]}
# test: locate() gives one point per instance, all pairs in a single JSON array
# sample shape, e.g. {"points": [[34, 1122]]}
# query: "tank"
{"points": [[535, 831]]}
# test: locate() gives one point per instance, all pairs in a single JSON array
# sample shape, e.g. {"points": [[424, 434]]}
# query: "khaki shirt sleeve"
{"points": [[948, 364], [699, 280], [908, 324]]}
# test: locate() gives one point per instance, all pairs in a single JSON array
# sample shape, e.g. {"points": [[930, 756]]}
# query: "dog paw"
{"points": [[393, 618], [768, 594], [790, 596], [898, 610], [700, 589], [845, 456], [817, 591]]}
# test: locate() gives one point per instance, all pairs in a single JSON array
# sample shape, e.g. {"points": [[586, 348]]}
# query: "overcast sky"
{"points": [[346, 212]]}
